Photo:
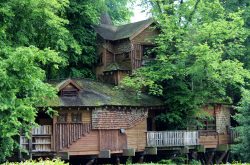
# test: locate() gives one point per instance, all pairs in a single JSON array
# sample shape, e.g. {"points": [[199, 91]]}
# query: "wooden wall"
{"points": [[86, 115], [147, 36], [112, 140], [87, 145], [136, 136]]}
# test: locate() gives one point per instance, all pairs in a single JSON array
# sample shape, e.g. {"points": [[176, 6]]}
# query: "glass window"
{"points": [[76, 117], [62, 118]]}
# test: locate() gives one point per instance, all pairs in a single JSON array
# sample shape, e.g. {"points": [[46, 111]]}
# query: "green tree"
{"points": [[82, 14], [22, 89], [243, 118], [198, 54]]}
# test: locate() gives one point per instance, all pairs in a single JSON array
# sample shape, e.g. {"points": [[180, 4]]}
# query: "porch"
{"points": [[172, 138]]}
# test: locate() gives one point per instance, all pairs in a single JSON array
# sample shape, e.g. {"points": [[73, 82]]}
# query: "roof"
{"points": [[66, 82], [95, 93], [124, 65], [111, 32]]}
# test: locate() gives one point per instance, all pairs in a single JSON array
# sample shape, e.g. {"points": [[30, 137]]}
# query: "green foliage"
{"points": [[242, 117], [39, 40], [199, 58], [40, 162], [22, 88]]}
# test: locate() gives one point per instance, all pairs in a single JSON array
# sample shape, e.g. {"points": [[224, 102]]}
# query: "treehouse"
{"points": [[97, 120], [93, 119], [122, 49]]}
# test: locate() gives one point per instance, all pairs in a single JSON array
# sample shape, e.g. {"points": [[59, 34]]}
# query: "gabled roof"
{"points": [[111, 32], [100, 94], [67, 82]]}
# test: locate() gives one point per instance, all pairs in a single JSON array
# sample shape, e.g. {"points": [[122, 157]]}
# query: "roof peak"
{"points": [[106, 19]]}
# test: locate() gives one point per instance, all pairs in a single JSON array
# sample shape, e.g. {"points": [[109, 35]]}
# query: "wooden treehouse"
{"points": [[95, 119]]}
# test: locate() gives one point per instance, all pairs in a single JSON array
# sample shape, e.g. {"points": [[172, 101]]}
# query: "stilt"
{"points": [[91, 162], [227, 157], [210, 159], [118, 161], [141, 159], [221, 157]]}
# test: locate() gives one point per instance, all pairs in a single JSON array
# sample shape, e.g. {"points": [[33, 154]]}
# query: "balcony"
{"points": [[40, 140], [172, 138]]}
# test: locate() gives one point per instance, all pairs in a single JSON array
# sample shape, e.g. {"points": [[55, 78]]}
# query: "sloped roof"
{"points": [[66, 82], [95, 93], [124, 65], [111, 32]]}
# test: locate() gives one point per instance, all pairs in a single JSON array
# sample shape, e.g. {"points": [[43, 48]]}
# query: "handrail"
{"points": [[172, 138]]}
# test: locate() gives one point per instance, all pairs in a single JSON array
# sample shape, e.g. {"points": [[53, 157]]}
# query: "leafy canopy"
{"points": [[198, 58]]}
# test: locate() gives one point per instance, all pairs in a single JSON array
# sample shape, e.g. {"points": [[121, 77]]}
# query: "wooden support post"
{"points": [[118, 161], [210, 159], [227, 157], [141, 159], [90, 162], [221, 157]]}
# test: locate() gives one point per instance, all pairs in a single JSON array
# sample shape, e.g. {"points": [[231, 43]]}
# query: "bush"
{"points": [[40, 162]]}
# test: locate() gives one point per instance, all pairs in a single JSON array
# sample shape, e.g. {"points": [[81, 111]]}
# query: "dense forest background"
{"points": [[202, 57]]}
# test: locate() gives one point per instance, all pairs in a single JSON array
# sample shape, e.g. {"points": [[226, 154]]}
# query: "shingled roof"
{"points": [[95, 93], [111, 32]]}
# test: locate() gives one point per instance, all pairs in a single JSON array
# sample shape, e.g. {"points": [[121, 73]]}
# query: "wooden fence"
{"points": [[67, 133], [172, 138], [40, 140]]}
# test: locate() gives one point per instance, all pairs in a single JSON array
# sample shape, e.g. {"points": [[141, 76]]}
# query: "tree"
{"points": [[82, 15], [36, 38], [242, 117], [22, 89], [198, 54]]}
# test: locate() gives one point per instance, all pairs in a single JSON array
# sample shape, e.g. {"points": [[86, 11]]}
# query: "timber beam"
{"points": [[128, 152], [104, 154], [150, 151]]}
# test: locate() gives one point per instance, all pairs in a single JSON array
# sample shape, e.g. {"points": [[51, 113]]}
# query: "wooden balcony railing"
{"points": [[67, 133], [40, 140], [172, 138], [234, 135]]}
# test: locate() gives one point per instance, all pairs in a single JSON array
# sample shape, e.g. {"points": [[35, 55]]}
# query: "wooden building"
{"points": [[122, 49], [93, 119], [98, 120]]}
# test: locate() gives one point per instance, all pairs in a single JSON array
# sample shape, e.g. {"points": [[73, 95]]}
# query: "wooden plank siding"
{"points": [[147, 36], [136, 56], [87, 145], [67, 133], [136, 136], [112, 140]]}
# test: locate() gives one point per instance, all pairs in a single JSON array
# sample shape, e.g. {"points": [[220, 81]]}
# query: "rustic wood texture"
{"points": [[136, 136], [209, 141], [147, 36], [88, 144], [112, 140], [67, 133], [136, 56], [117, 119]]}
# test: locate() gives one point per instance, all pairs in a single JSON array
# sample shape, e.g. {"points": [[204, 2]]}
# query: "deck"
{"points": [[172, 138], [190, 138]]}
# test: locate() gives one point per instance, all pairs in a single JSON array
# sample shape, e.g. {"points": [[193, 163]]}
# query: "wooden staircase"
{"points": [[68, 133]]}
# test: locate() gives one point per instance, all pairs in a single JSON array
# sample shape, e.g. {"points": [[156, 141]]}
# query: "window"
{"points": [[69, 92], [76, 117], [208, 125], [62, 118]]}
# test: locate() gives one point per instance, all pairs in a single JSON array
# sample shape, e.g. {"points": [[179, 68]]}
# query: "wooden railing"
{"points": [[234, 135], [172, 138], [67, 133], [40, 140]]}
